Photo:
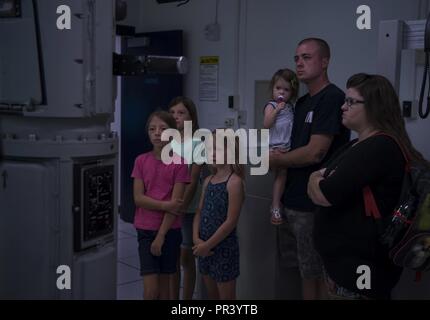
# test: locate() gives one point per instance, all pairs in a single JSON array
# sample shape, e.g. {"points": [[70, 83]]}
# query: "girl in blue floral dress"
{"points": [[214, 229]]}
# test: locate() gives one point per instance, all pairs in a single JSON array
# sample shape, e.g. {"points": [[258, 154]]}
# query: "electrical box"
{"points": [[410, 109], [242, 117], [229, 122], [93, 207], [233, 102]]}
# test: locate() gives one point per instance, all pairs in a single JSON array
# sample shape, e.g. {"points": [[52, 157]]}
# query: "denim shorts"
{"points": [[167, 262], [295, 244], [187, 231]]}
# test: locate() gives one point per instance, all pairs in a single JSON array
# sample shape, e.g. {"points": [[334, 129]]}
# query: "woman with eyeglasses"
{"points": [[357, 266]]}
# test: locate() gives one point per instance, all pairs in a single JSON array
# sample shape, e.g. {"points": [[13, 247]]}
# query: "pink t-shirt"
{"points": [[159, 180]]}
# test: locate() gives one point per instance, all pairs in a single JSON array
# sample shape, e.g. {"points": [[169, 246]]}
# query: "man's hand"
{"points": [[275, 158]]}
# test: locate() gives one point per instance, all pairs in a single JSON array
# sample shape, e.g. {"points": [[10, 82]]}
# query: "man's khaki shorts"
{"points": [[295, 244]]}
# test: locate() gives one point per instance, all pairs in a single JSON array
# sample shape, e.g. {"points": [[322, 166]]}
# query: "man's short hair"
{"points": [[323, 46]]}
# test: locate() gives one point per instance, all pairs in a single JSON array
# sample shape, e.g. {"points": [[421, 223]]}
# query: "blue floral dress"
{"points": [[223, 265]]}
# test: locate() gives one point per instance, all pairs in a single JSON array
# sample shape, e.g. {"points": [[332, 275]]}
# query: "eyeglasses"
{"points": [[350, 101]]}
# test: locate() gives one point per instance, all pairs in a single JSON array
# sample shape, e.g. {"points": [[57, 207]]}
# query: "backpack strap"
{"points": [[405, 154], [418, 276], [370, 206]]}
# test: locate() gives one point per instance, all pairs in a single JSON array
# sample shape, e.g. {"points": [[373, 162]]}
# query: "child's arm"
{"points": [[143, 201], [196, 221], [168, 219], [270, 114], [235, 199], [191, 188]]}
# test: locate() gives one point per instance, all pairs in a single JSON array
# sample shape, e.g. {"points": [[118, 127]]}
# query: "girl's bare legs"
{"points": [[156, 286], [211, 288], [278, 190], [151, 287], [175, 280], [189, 266], [164, 286], [227, 290]]}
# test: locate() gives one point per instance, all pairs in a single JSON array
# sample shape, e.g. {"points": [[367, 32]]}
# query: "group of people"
{"points": [[317, 207], [180, 215]]}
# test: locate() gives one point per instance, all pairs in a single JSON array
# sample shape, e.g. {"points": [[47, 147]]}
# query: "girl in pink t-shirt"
{"points": [[158, 191]]}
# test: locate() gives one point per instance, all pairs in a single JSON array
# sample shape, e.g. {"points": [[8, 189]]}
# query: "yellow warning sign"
{"points": [[209, 60], [208, 80]]}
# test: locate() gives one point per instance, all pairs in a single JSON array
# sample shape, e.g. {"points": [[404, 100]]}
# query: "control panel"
{"points": [[93, 207]]}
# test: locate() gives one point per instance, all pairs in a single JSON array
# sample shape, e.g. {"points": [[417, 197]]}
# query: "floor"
{"points": [[130, 284]]}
